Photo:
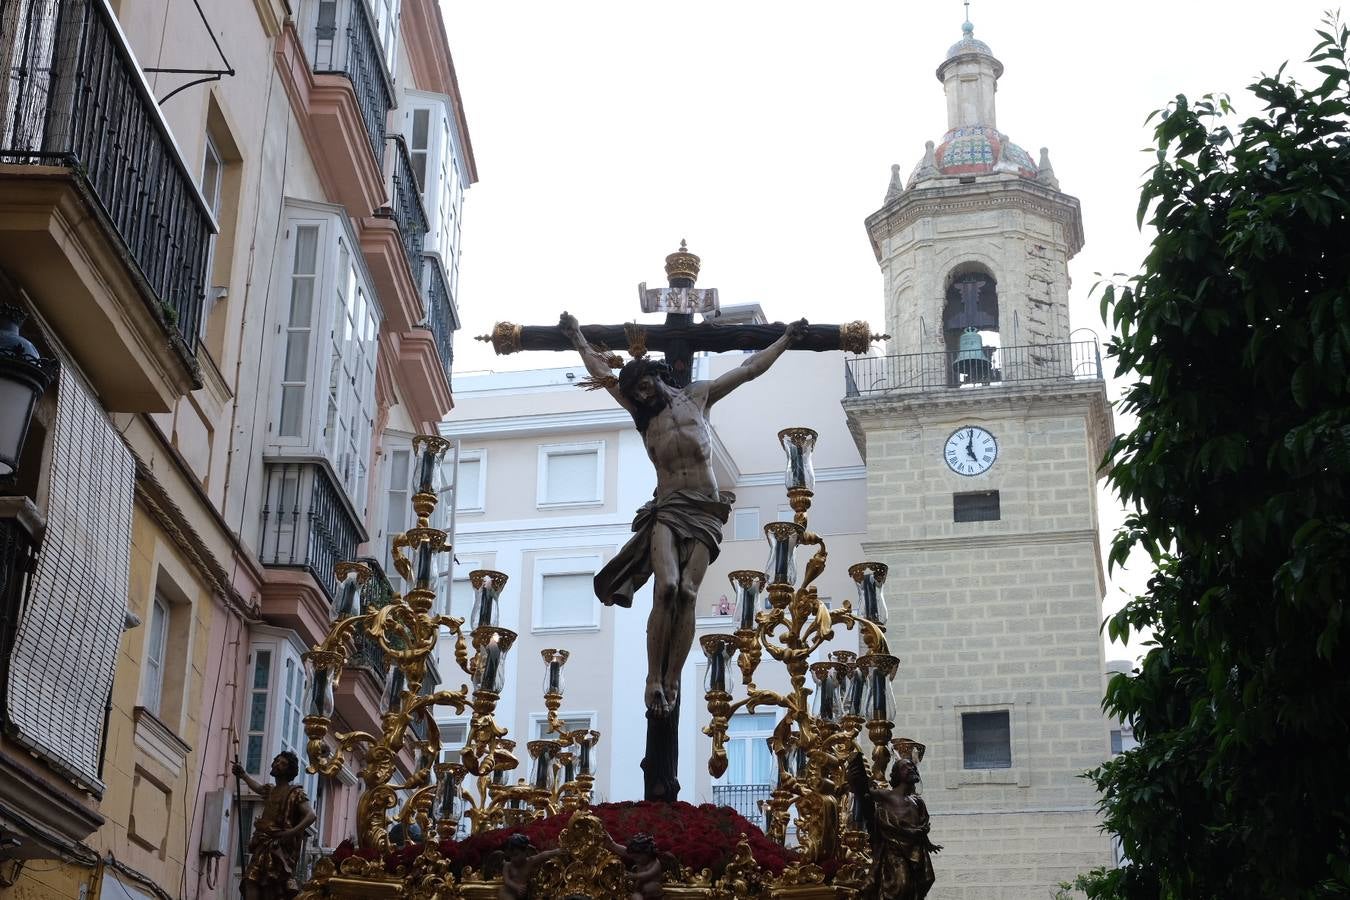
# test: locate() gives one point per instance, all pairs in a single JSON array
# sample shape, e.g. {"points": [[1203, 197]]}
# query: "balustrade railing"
{"points": [[72, 95], [744, 798], [377, 591], [342, 41], [440, 314], [406, 199], [1067, 361], [18, 552], [306, 521]]}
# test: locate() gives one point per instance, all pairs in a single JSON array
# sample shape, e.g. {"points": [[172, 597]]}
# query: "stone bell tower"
{"points": [[983, 432]]}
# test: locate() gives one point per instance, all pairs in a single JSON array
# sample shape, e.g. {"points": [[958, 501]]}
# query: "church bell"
{"points": [[971, 360]]}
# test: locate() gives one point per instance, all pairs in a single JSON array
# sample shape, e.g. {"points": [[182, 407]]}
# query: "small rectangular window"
{"points": [[746, 527], [986, 740], [571, 477], [468, 484], [152, 687], [567, 600], [571, 722], [976, 506], [453, 737], [1117, 745]]}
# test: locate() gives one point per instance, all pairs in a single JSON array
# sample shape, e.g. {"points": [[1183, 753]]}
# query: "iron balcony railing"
{"points": [[72, 95], [744, 798], [343, 42], [18, 555], [1067, 361], [440, 314], [409, 214], [307, 523], [366, 652]]}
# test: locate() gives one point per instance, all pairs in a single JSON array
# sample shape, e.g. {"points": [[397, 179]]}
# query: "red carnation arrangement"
{"points": [[700, 837]]}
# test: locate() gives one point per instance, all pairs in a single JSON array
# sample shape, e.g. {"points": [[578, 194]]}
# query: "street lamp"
{"points": [[24, 375]]}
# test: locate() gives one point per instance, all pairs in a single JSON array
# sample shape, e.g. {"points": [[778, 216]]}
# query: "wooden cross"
{"points": [[680, 337]]}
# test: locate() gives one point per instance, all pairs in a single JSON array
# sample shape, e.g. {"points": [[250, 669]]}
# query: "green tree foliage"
{"points": [[1236, 336]]}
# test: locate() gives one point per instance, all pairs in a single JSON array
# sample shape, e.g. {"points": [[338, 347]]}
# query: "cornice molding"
{"points": [[978, 541], [948, 200], [1013, 397], [538, 423]]}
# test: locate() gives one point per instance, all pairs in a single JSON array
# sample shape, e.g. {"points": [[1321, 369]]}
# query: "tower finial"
{"points": [[967, 2]]}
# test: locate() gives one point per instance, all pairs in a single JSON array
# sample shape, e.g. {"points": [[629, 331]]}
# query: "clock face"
{"points": [[970, 450]]}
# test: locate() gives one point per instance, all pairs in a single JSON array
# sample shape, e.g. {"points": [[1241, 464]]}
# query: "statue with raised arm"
{"points": [[676, 535], [278, 834], [897, 824]]}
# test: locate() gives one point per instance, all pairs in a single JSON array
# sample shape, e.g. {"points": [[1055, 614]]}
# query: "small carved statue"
{"points": [[897, 823], [645, 867], [518, 865], [274, 848]]}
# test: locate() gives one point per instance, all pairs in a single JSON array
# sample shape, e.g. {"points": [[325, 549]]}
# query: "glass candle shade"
{"points": [[854, 690], [586, 741], [719, 649], [783, 538], [487, 588], [878, 671], [544, 753], [431, 451], [869, 577], [748, 585], [394, 685], [348, 597], [567, 761], [449, 803], [503, 760], [424, 554], [827, 703], [489, 663], [321, 693], [796, 758], [798, 444], [554, 660]]}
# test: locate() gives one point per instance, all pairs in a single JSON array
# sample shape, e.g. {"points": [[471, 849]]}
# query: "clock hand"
{"points": [[970, 444]]}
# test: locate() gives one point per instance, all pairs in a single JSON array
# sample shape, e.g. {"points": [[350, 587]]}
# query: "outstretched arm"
{"points": [[254, 786], [594, 362], [756, 365]]}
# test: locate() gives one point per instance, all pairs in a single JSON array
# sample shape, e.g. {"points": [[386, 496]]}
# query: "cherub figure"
{"points": [[520, 860], [646, 866]]}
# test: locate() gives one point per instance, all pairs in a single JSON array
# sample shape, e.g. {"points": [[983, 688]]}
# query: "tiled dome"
{"points": [[976, 150], [968, 44]]}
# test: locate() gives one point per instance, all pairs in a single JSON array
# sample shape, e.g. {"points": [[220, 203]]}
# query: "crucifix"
{"points": [[676, 535]]}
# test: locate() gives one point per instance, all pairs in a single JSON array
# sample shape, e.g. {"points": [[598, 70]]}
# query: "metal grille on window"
{"points": [[986, 740], [976, 506]]}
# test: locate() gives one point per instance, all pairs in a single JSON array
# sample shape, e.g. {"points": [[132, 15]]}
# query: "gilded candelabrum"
{"points": [[820, 726], [435, 795]]}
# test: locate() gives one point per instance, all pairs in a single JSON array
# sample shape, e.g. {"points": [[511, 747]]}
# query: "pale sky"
{"points": [[764, 134]]}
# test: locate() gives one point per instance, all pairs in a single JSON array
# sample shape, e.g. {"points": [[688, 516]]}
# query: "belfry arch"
{"points": [[971, 301]]}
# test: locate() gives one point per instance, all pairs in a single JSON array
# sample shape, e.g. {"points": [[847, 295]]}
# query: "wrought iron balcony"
{"points": [[366, 653], [744, 798], [307, 522], [441, 319], [341, 41], [405, 197], [71, 95], [943, 370]]}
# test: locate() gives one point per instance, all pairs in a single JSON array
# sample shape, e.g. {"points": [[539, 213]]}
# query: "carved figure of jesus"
{"points": [[678, 533]]}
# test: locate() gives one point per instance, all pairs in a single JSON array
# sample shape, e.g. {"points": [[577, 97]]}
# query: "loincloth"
{"points": [[690, 515]]}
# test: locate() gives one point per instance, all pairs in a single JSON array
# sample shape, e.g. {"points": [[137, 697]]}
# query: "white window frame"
{"points": [[386, 32], [449, 747], [546, 451], [211, 193], [539, 721], [460, 572], [156, 649], [581, 564], [337, 246], [285, 646], [476, 503], [751, 530], [752, 739], [392, 442], [785, 514]]}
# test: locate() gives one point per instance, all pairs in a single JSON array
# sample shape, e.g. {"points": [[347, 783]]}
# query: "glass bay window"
{"points": [[328, 321]]}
